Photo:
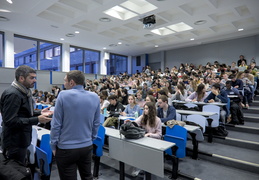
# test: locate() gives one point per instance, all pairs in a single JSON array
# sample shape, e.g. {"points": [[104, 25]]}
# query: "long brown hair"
{"points": [[150, 118], [199, 91]]}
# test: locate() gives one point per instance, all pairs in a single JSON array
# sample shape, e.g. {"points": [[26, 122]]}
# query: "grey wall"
{"points": [[223, 52]]}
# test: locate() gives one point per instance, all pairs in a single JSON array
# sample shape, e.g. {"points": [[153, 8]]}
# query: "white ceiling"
{"points": [[53, 19]]}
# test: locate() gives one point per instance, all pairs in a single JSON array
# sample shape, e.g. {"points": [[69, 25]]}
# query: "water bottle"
{"points": [[105, 111], [136, 114]]}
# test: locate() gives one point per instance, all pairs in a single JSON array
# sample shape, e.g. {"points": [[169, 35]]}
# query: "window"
{"points": [[1, 49], [117, 64], [57, 51], [47, 60], [25, 49], [84, 60]]}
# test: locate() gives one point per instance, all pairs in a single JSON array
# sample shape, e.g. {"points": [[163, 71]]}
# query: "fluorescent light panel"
{"points": [[120, 13], [162, 31], [180, 27], [138, 6]]}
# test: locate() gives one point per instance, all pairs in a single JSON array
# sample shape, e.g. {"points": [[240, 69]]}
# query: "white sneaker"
{"points": [[135, 172]]}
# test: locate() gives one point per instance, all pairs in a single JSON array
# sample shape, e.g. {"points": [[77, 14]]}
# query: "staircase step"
{"points": [[249, 127], [236, 157], [252, 109], [249, 117], [244, 140]]}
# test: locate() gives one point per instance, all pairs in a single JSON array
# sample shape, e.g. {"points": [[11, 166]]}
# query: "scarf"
{"points": [[26, 91]]}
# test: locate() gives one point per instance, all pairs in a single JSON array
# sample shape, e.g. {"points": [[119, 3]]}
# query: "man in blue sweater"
{"points": [[74, 127], [165, 112]]}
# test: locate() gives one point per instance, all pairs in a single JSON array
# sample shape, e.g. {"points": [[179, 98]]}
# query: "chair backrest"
{"points": [[45, 146], [198, 119], [39, 106], [140, 112], [212, 108], [42, 161], [228, 107], [178, 135], [178, 117], [99, 141], [32, 146], [102, 118]]}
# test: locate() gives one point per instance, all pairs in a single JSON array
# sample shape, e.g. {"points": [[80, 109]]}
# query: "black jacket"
{"points": [[17, 120], [115, 109]]}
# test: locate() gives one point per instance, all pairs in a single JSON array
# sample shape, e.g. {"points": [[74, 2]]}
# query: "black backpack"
{"points": [[131, 130]]}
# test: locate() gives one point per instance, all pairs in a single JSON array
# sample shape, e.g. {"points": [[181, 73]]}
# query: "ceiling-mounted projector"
{"points": [[149, 22]]}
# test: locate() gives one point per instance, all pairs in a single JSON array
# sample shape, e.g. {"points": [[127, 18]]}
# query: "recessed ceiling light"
{"points": [[156, 46], [70, 35], [77, 32], [200, 22], [10, 1], [2, 18], [105, 19], [104, 48], [192, 39], [62, 39], [4, 10], [241, 29], [119, 42]]}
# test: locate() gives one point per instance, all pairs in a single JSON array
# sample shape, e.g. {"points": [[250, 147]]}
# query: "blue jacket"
{"points": [[171, 113], [76, 119], [222, 96]]}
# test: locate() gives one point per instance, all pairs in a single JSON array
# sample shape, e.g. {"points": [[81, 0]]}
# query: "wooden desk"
{"points": [[144, 153]]}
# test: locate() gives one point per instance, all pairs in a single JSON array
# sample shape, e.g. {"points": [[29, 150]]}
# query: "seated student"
{"points": [[114, 109], [124, 95], [180, 93], [141, 102], [218, 95], [165, 112], [162, 92], [131, 108], [150, 122], [103, 102], [199, 95], [237, 116]]}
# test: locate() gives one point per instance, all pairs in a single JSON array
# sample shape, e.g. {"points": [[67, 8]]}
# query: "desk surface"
{"points": [[188, 112], [200, 103], [145, 141], [41, 131]]}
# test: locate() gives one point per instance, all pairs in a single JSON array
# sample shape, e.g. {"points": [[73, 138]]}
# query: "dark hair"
{"points": [[229, 82], [216, 86], [77, 76], [152, 99], [162, 92], [163, 98], [112, 97], [150, 118], [23, 71], [199, 91]]}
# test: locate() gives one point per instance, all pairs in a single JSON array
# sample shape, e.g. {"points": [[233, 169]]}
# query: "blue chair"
{"points": [[178, 135], [39, 106], [42, 160], [98, 149], [140, 112], [102, 118], [45, 146]]}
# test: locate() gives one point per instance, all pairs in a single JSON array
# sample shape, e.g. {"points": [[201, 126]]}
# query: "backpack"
{"points": [[220, 131], [131, 130]]}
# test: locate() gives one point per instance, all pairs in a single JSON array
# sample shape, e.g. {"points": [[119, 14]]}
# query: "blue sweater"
{"points": [[76, 119], [171, 113]]}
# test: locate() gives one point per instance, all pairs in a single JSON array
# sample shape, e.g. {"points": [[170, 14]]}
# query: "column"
{"points": [[65, 61], [8, 50]]}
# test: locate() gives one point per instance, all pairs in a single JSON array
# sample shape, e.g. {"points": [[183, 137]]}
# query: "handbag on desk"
{"points": [[131, 130]]}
